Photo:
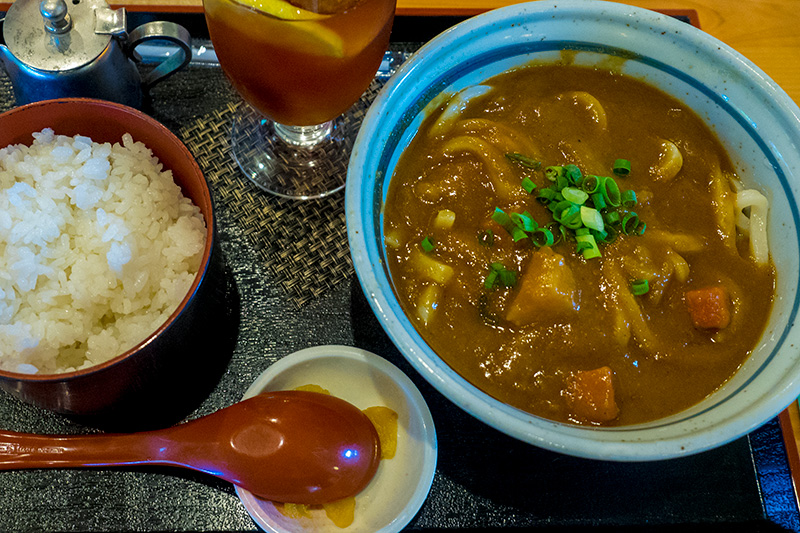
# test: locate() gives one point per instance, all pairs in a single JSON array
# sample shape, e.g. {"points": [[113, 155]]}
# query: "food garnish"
{"points": [[640, 287], [524, 160], [342, 512], [589, 210], [385, 422], [486, 237], [528, 185], [499, 276], [282, 10], [622, 167], [306, 30]]}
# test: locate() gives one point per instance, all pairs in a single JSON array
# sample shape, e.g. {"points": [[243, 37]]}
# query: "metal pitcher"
{"points": [[54, 49]]}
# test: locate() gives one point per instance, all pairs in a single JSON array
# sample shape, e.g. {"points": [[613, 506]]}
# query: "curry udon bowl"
{"points": [[163, 377], [755, 121]]}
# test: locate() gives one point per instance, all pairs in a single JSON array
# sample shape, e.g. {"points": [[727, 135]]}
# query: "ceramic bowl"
{"points": [[364, 379], [754, 119], [175, 365]]}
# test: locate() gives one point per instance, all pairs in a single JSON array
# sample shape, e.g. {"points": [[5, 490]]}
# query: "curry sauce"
{"points": [[564, 336]]}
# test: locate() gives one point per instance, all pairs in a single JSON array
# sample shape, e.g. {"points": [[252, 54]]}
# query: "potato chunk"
{"points": [[547, 290]]}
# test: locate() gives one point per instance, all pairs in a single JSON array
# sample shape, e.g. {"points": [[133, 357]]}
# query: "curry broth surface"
{"points": [[531, 109]]}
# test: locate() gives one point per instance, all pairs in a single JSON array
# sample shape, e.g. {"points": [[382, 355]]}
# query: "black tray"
{"points": [[484, 480]]}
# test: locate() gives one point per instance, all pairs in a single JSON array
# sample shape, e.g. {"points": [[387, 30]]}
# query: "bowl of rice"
{"points": [[110, 264]]}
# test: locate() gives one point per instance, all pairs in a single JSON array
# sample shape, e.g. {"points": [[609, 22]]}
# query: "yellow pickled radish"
{"points": [[303, 30], [385, 422], [342, 512], [293, 510], [313, 388]]}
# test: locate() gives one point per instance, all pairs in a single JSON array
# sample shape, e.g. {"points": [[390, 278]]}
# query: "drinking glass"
{"points": [[299, 68]]}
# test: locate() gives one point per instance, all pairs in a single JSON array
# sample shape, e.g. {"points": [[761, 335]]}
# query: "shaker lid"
{"points": [[59, 35]]}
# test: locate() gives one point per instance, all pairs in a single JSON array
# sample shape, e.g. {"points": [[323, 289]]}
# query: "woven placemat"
{"points": [[302, 243]]}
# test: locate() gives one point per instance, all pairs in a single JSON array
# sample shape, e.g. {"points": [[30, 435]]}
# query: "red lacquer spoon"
{"points": [[287, 446]]}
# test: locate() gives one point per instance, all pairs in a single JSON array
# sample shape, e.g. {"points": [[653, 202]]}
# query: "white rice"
{"points": [[98, 246]]}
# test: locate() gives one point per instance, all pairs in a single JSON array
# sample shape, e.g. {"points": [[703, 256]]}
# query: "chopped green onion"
{"points": [[600, 236], [592, 218], [590, 184], [574, 195], [561, 208], [632, 225], [486, 238], [589, 210], [499, 273], [610, 192], [629, 198], [568, 214], [622, 167], [489, 281], [611, 217], [572, 219], [599, 201], [543, 237], [524, 160], [573, 174], [501, 217], [640, 287], [558, 232], [546, 195], [508, 278], [524, 221], [518, 234], [514, 226], [552, 173], [528, 185], [587, 246], [504, 220], [611, 234], [427, 244]]}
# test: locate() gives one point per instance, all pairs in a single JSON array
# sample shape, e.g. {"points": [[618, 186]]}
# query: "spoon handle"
{"points": [[22, 450]]}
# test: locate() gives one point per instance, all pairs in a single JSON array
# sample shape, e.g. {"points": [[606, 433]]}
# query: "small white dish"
{"points": [[364, 379]]}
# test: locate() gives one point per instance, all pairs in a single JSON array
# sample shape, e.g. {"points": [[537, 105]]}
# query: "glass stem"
{"points": [[304, 136]]}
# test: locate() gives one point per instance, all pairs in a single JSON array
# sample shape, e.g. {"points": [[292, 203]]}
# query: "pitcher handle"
{"points": [[166, 31]]}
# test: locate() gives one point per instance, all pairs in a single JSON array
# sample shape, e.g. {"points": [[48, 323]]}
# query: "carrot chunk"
{"points": [[710, 307], [590, 395]]}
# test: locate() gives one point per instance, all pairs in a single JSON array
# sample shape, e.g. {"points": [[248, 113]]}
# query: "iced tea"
{"points": [[300, 72]]}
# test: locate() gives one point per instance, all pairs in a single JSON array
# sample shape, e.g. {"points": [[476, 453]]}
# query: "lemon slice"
{"points": [[302, 30], [282, 10]]}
